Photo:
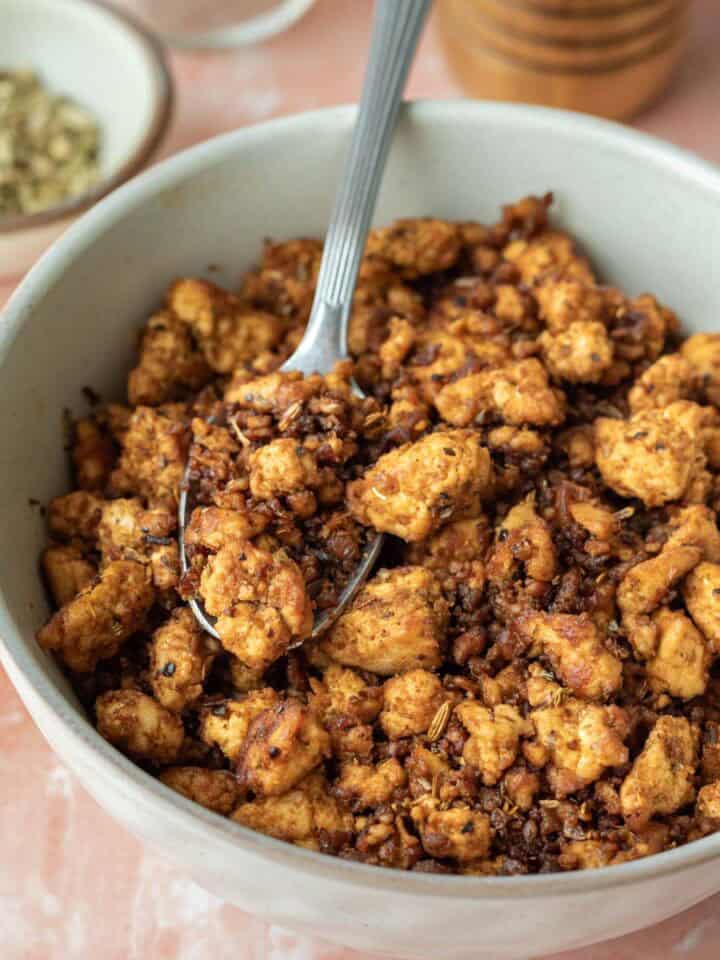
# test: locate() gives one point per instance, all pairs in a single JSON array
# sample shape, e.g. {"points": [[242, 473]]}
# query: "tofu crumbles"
{"points": [[530, 679]]}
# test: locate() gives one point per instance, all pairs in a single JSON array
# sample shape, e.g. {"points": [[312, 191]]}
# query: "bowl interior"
{"points": [[84, 51], [648, 215]]}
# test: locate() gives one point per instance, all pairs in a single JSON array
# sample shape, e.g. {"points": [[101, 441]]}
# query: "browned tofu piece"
{"points": [[283, 744], [376, 300], [640, 326], [564, 302], [282, 467], [523, 540], [93, 455], [422, 767], [702, 425], [412, 490], [390, 841], [215, 789], [165, 567], [550, 252], [586, 854], [441, 351], [578, 445], [356, 742], [226, 724], [521, 787], [458, 833], [494, 737], [67, 572], [438, 355], [301, 816], [682, 660], [708, 801], [581, 741], [581, 354], [344, 693], [180, 658], [455, 552], [417, 246], [515, 308], [599, 520], [669, 379], [275, 392], [518, 442], [645, 841], [96, 623], [75, 515], [284, 281], [347, 704], [214, 439], [541, 690], [213, 527], [153, 456], [127, 531], [259, 599], [169, 365], [652, 455], [130, 532], [396, 346], [695, 526], [643, 589], [702, 352], [367, 785], [517, 393], [661, 779], [576, 653], [139, 726], [411, 701], [507, 685], [526, 217], [228, 332], [701, 591], [396, 623]]}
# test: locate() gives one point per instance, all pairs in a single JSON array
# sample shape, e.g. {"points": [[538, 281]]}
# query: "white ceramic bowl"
{"points": [[650, 216], [108, 64], [218, 24]]}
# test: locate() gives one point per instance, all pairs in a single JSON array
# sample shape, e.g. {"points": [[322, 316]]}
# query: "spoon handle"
{"points": [[396, 30]]}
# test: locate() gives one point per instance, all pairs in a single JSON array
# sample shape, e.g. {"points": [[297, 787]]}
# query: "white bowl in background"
{"points": [[649, 215], [218, 24], [107, 63]]}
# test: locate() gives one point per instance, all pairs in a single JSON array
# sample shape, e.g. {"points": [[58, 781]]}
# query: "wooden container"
{"points": [[607, 57]]}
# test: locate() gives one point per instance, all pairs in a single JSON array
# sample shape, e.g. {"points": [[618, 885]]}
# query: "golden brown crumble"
{"points": [[530, 679]]}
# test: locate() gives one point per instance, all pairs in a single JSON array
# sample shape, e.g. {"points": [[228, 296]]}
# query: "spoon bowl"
{"points": [[324, 620]]}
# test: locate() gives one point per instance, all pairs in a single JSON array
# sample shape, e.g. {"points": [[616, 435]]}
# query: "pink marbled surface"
{"points": [[74, 885]]}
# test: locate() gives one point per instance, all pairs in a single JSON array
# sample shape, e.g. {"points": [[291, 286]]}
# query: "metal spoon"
{"points": [[396, 30]]}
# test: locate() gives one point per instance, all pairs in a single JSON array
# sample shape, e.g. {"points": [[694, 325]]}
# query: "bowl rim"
{"points": [[163, 103], [147, 792]]}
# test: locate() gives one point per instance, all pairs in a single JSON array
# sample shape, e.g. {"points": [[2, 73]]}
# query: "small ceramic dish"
{"points": [[109, 65]]}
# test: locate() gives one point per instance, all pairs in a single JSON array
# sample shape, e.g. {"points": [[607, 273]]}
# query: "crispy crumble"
{"points": [[529, 680]]}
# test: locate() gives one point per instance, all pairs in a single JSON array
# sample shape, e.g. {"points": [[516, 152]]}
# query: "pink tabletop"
{"points": [[74, 885]]}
